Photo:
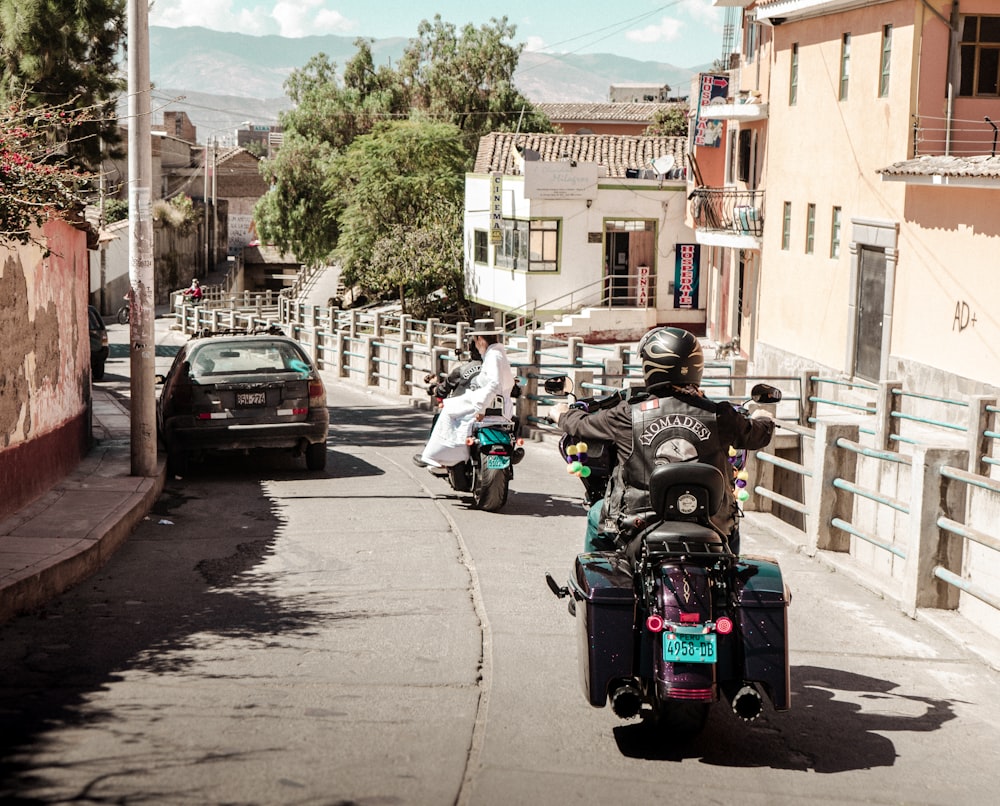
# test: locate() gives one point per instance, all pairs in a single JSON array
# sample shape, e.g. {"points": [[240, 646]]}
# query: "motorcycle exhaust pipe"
{"points": [[747, 703], [626, 700]]}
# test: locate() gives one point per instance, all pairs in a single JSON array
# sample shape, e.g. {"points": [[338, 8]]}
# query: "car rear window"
{"points": [[228, 358]]}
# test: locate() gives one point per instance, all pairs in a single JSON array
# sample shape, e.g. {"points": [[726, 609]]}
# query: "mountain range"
{"points": [[224, 79]]}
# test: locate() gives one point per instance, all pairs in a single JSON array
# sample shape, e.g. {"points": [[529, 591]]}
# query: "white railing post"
{"points": [[931, 496], [825, 502]]}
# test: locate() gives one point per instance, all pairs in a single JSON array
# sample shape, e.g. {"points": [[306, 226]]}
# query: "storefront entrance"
{"points": [[629, 263]]}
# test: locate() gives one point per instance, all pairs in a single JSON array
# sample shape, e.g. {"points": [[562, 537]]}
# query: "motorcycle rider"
{"points": [[489, 397], [669, 420], [456, 382], [460, 378]]}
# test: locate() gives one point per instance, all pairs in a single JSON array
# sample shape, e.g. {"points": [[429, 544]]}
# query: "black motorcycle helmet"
{"points": [[670, 357]]}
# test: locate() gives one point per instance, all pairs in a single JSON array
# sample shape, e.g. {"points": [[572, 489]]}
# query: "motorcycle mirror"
{"points": [[765, 393], [558, 385]]}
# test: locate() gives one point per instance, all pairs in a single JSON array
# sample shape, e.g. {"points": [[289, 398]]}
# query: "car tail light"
{"points": [[317, 394]]}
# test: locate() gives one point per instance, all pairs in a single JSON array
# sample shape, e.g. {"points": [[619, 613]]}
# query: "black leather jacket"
{"points": [[647, 430]]}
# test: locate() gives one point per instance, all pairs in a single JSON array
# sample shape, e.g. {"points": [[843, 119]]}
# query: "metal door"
{"points": [[871, 312]]}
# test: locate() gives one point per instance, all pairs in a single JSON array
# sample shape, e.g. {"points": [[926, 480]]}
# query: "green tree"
{"points": [[403, 176], [467, 78], [669, 122], [58, 54], [422, 266], [297, 214], [365, 154]]}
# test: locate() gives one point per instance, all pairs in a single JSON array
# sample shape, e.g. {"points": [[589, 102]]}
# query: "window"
{"points": [[810, 228], [743, 155], [980, 56], [845, 65], [883, 83], [529, 245], [481, 246], [751, 36], [786, 226], [793, 79], [835, 233], [543, 245]]}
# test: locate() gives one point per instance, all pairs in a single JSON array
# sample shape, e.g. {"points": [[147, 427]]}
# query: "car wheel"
{"points": [[316, 456]]}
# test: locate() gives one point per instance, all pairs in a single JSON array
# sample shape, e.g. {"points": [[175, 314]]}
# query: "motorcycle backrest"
{"points": [[668, 482]]}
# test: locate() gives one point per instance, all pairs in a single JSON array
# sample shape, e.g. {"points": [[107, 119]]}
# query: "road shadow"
{"points": [[180, 581], [834, 725]]}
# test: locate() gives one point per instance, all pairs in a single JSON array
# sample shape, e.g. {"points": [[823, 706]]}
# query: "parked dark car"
{"points": [[98, 343], [235, 391]]}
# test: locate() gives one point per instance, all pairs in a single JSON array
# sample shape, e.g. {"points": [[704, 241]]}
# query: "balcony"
{"points": [[728, 217]]}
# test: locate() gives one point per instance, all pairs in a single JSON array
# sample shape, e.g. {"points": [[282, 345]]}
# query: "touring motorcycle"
{"points": [[672, 620]]}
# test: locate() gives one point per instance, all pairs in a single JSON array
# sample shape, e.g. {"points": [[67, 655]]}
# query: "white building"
{"points": [[591, 225]]}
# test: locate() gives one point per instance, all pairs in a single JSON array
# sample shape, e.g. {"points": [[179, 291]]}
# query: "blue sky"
{"points": [[680, 32]]}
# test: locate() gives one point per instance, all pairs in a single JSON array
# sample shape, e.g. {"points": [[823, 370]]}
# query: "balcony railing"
{"points": [[740, 212]]}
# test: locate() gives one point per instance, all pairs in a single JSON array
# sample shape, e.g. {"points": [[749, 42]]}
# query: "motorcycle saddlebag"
{"points": [[605, 612], [762, 612]]}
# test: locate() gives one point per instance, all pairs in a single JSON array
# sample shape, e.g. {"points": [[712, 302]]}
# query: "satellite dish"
{"points": [[663, 164]]}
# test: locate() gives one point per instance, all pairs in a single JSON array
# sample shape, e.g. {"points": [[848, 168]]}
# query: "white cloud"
{"points": [[534, 43], [291, 18], [297, 18], [667, 30], [217, 14], [702, 11]]}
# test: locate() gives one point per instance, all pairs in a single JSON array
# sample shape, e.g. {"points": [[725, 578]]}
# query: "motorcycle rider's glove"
{"points": [[758, 412], [557, 411]]}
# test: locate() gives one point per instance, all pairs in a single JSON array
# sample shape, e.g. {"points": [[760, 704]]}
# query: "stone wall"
{"points": [[44, 362]]}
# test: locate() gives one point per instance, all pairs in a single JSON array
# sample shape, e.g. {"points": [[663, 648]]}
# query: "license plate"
{"points": [[246, 400], [496, 461], [689, 648]]}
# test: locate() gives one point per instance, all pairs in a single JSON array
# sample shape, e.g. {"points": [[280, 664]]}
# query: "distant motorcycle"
{"points": [[673, 619], [494, 449]]}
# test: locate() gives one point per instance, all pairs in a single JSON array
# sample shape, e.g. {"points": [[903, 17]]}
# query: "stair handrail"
{"points": [[529, 310]]}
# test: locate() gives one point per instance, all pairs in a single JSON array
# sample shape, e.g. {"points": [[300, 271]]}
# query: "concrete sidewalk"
{"points": [[66, 534]]}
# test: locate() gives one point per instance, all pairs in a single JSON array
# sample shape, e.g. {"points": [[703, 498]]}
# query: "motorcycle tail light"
{"points": [[654, 623], [724, 625], [520, 441], [690, 618], [469, 441]]}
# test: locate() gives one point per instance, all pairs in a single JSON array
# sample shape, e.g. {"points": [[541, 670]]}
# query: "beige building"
{"points": [[870, 159]]}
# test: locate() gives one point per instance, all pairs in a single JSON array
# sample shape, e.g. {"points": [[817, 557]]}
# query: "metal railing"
{"points": [[727, 209]]}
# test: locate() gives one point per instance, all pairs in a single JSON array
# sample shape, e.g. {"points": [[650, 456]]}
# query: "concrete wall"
{"points": [[44, 362]]}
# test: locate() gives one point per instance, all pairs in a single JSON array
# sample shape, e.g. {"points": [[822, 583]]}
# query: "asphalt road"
{"points": [[362, 636]]}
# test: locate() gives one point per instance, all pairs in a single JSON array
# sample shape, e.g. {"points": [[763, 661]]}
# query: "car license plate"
{"points": [[245, 400], [496, 461], [689, 648]]}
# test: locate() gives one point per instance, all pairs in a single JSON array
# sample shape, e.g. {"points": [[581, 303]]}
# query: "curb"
{"points": [[55, 574]]}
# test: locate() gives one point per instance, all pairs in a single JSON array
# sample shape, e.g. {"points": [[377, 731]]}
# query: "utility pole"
{"points": [[142, 338]]}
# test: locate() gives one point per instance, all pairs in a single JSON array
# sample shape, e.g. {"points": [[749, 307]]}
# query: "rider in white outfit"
{"points": [[487, 399]]}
